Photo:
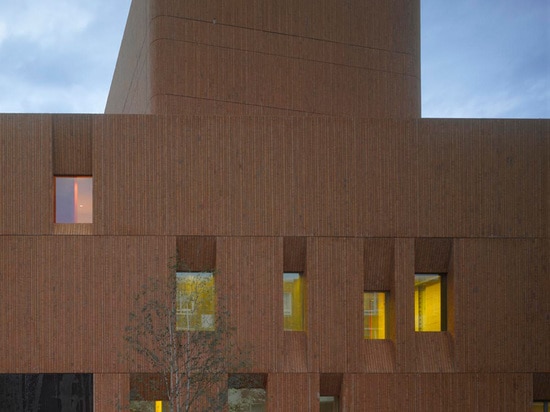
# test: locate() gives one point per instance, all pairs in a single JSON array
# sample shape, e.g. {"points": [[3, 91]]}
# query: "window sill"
{"points": [[72, 228]]}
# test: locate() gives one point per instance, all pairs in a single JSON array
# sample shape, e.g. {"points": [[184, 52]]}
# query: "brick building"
{"points": [[379, 261]]}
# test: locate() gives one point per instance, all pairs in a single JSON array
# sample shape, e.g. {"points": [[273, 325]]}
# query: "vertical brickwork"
{"points": [[351, 58], [111, 392]]}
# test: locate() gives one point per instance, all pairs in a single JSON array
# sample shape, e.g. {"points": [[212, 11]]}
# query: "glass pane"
{"points": [[374, 315], [293, 301], [541, 406], [427, 303], [195, 301], [247, 400], [328, 404], [149, 406], [73, 200], [46, 392]]}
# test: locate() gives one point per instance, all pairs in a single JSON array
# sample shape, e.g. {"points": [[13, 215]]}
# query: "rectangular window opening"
{"points": [[247, 393], [328, 404], [195, 301], [293, 301], [541, 406], [73, 199], [46, 391], [375, 315], [148, 393], [430, 302], [149, 406], [330, 385]]}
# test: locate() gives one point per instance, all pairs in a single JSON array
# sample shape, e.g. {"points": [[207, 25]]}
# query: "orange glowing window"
{"points": [[73, 199], [374, 315]]}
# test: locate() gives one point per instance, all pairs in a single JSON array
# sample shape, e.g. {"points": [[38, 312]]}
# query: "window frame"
{"points": [[253, 385], [443, 321], [332, 402], [386, 313], [196, 309], [535, 406], [299, 304], [57, 179]]}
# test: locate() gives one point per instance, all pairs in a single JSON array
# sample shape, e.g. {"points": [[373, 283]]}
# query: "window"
{"points": [[541, 406], [246, 393], [374, 315], [330, 385], [293, 301], [328, 404], [46, 392], [246, 400], [149, 406], [287, 303], [195, 301], [73, 199], [430, 295], [148, 393]]}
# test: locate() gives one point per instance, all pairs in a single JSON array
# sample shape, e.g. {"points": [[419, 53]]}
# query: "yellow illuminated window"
{"points": [[374, 315], [73, 199], [429, 303], [293, 301], [541, 406], [195, 301]]}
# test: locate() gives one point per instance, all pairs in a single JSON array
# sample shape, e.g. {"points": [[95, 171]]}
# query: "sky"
{"points": [[486, 58], [480, 58]]}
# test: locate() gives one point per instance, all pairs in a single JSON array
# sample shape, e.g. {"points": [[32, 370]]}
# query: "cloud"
{"points": [[46, 23], [485, 59], [26, 97], [58, 55], [3, 32], [463, 105], [480, 58], [504, 99]]}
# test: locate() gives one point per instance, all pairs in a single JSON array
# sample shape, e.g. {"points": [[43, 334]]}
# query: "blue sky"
{"points": [[486, 58], [480, 58]]}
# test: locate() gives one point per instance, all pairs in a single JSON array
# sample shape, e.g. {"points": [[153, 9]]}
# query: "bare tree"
{"points": [[182, 333]]}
